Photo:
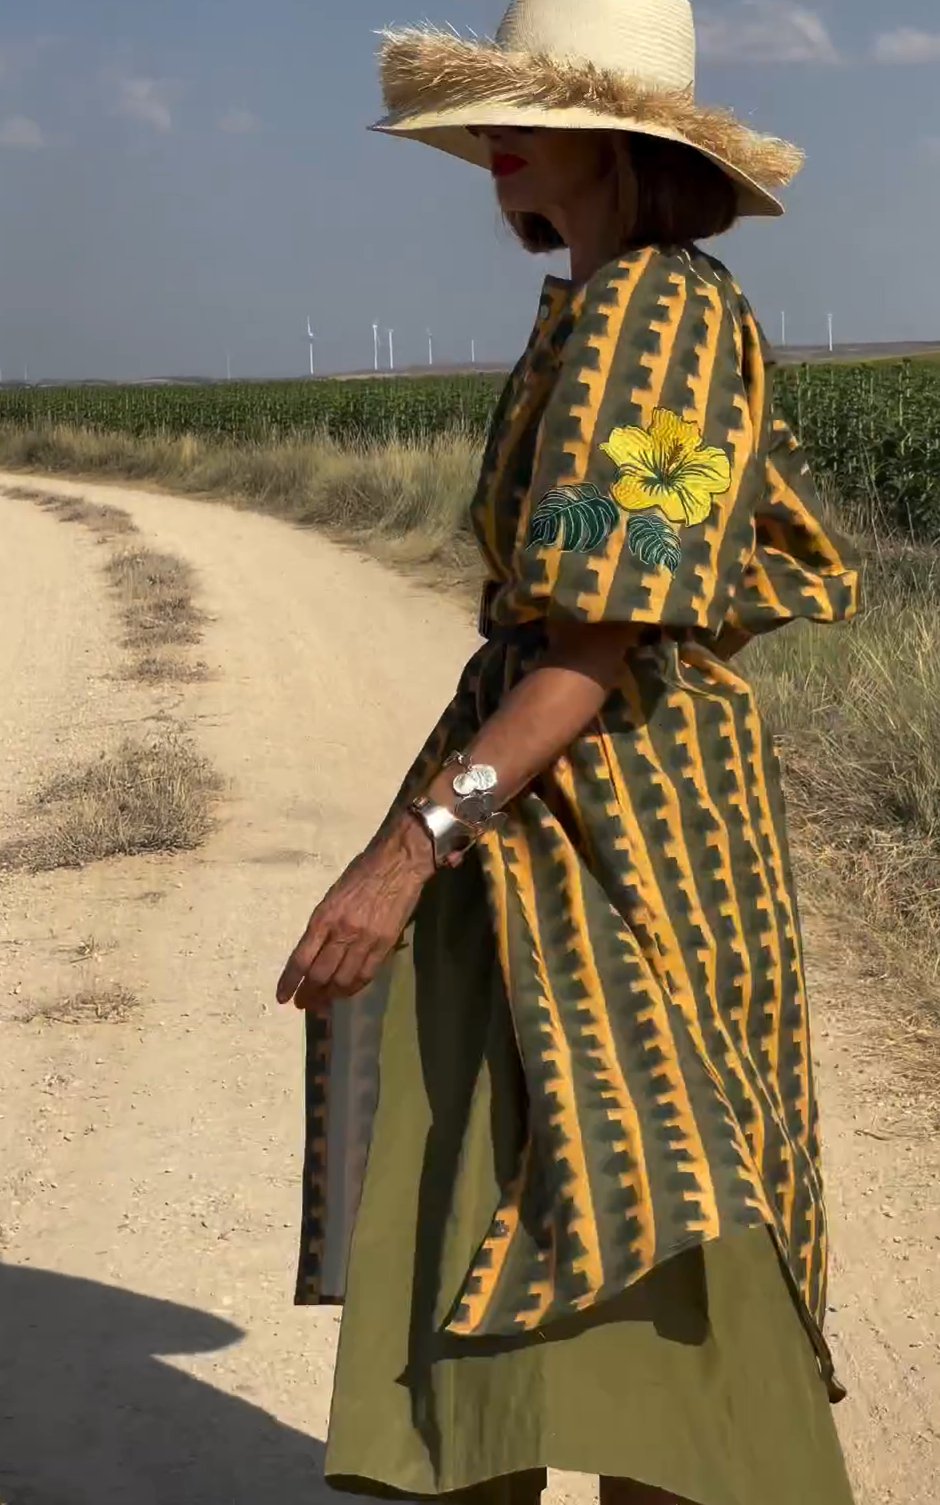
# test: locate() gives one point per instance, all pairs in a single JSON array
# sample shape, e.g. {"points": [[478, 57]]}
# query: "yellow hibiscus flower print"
{"points": [[667, 467]]}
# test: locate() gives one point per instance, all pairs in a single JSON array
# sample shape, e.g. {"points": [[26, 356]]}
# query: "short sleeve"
{"points": [[647, 469], [801, 567]]}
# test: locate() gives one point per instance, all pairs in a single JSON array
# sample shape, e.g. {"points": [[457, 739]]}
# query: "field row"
{"points": [[872, 431]]}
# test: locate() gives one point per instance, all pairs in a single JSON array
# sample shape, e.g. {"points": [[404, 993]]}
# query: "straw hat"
{"points": [[621, 65]]}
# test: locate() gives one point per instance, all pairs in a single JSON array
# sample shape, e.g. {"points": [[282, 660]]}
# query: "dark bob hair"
{"points": [[681, 196]]}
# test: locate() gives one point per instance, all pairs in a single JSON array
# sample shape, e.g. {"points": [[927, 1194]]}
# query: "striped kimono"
{"points": [[640, 893]]}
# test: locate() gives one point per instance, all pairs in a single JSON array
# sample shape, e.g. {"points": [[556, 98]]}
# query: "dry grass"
{"points": [[865, 987], [91, 949], [858, 713], [167, 668], [156, 597], [154, 797], [25, 494], [107, 522], [105, 1004], [406, 499], [156, 590]]}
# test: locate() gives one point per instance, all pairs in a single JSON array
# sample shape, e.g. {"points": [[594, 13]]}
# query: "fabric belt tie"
{"points": [[519, 634]]}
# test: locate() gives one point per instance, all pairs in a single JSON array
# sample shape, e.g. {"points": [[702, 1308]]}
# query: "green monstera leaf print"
{"points": [[577, 518], [653, 541]]}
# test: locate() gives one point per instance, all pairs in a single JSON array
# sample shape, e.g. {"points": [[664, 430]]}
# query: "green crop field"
{"points": [[267, 411], [872, 431]]}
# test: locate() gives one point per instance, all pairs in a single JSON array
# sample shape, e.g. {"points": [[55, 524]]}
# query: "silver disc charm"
{"points": [[479, 778]]}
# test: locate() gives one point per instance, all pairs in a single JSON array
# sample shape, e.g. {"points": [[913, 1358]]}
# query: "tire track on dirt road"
{"points": [[149, 1171]]}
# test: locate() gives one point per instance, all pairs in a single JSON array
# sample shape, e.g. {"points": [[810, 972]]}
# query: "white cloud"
{"points": [[907, 45], [765, 31], [239, 123], [148, 100], [20, 131]]}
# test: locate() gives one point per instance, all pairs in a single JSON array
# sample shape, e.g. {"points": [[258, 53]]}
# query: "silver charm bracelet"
{"points": [[473, 787], [454, 832]]}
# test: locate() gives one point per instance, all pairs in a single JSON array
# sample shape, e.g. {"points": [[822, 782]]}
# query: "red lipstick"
{"points": [[504, 164]]}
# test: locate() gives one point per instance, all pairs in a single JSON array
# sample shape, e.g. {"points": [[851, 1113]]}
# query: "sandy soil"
{"points": [[149, 1169]]}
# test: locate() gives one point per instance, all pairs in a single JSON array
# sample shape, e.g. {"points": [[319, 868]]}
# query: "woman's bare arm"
{"points": [[360, 920], [544, 713]]}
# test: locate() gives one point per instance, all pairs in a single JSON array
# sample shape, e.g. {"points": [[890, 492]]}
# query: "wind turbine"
{"points": [[311, 336], [430, 348], [473, 352], [831, 346], [375, 345], [391, 350]]}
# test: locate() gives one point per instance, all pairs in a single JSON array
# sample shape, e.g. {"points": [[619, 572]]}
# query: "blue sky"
{"points": [[190, 179]]}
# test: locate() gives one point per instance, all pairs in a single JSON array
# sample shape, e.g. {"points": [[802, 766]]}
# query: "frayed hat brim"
{"points": [[436, 85]]}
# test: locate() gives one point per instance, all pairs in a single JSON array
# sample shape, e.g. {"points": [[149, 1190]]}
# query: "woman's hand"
{"points": [[360, 920], [353, 929]]}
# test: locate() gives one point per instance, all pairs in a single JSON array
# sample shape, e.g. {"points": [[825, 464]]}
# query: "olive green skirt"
{"points": [[700, 1379]]}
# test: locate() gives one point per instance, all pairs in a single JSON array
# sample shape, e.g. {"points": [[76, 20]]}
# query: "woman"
{"points": [[590, 1233]]}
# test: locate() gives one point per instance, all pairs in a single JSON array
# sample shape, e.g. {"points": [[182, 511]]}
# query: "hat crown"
{"points": [[650, 40]]}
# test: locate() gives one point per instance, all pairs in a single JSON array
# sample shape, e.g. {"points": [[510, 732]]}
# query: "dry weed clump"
{"points": [[23, 494], [156, 597], [91, 949], [167, 668], [144, 797], [103, 1004], [107, 522]]}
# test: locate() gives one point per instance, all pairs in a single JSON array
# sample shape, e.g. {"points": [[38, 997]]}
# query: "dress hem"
{"points": [[358, 1484], [835, 1390]]}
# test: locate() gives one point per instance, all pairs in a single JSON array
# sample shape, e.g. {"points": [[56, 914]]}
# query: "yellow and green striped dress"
{"points": [[566, 1117]]}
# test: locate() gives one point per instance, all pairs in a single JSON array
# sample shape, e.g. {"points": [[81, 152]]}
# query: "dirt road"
{"points": [[149, 1352]]}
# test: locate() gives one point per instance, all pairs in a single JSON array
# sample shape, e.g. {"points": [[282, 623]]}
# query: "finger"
{"points": [[354, 972], [369, 962], [311, 1000], [322, 969], [300, 960], [318, 989]]}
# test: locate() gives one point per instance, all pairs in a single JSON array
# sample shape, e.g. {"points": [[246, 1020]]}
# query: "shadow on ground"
{"points": [[90, 1414]]}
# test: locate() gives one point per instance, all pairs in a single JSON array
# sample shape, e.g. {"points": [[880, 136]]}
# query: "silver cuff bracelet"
{"points": [[450, 836]]}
